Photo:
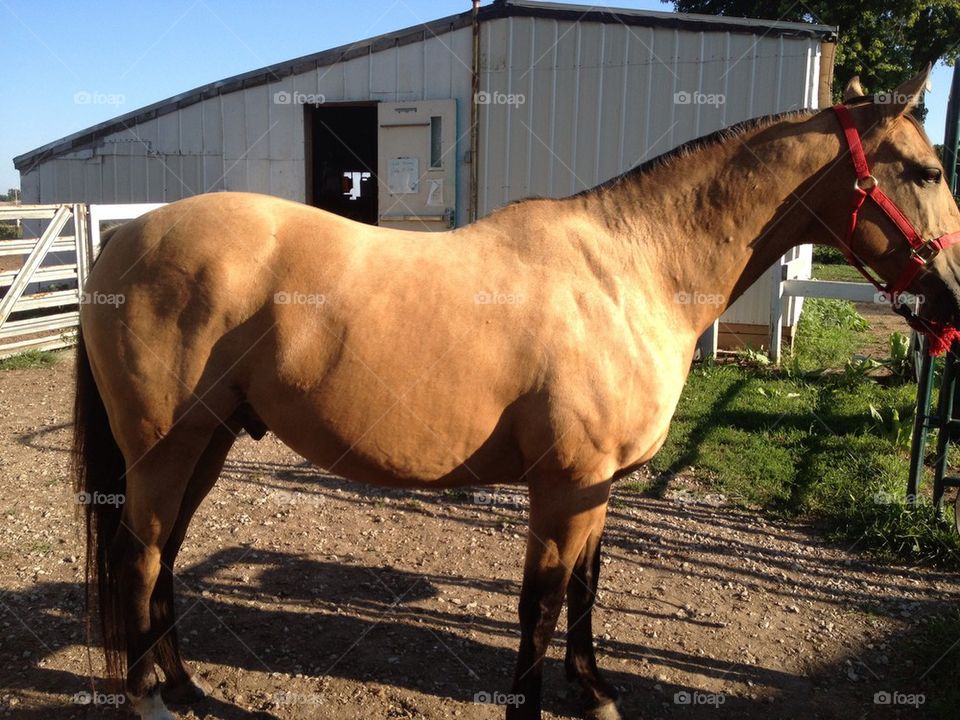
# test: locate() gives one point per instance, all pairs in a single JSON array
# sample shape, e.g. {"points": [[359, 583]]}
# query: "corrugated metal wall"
{"points": [[598, 98]]}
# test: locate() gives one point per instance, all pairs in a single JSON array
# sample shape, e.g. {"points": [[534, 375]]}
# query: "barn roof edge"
{"points": [[496, 10]]}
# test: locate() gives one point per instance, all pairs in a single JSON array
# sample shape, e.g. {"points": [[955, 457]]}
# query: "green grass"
{"points": [[10, 231], [825, 255], [829, 333], [30, 359], [797, 441], [836, 272]]}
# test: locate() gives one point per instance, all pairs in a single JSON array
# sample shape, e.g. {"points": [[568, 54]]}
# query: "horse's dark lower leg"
{"points": [[560, 525], [181, 685], [163, 617], [156, 485], [581, 663], [140, 568], [541, 599]]}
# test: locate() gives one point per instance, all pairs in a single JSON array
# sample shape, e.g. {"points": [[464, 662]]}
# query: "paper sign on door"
{"points": [[435, 194], [403, 176]]}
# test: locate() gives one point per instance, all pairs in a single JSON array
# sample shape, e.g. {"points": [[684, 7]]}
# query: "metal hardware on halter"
{"points": [[926, 252]]}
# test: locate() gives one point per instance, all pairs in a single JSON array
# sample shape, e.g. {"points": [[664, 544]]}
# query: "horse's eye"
{"points": [[931, 175]]}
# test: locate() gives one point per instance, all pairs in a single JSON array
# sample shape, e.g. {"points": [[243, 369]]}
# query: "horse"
{"points": [[544, 345]]}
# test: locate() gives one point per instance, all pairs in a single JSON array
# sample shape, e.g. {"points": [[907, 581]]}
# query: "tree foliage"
{"points": [[881, 41]]}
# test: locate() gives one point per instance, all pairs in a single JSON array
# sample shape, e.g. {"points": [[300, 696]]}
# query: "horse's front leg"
{"points": [[581, 662], [564, 516]]}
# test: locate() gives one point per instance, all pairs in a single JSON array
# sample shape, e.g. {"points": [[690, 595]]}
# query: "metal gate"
{"points": [[41, 276]]}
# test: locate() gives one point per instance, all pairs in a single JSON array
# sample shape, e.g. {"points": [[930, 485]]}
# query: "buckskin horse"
{"points": [[546, 344]]}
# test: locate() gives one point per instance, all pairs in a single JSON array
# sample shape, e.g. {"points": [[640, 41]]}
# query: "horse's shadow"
{"points": [[366, 624]]}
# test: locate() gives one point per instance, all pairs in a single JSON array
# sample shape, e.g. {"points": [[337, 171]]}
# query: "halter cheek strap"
{"points": [[922, 252]]}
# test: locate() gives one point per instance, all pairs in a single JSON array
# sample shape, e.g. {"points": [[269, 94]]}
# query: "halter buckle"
{"points": [[925, 253], [866, 183]]}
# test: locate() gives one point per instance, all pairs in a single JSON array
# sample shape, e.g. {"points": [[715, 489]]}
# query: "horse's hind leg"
{"points": [[581, 663], [181, 685], [562, 520], [156, 484]]}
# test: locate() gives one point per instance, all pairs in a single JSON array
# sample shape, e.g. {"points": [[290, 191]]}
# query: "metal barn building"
{"points": [[380, 130]]}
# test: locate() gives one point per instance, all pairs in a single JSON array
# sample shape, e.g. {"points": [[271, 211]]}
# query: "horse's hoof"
{"points": [[608, 711], [151, 707], [184, 693]]}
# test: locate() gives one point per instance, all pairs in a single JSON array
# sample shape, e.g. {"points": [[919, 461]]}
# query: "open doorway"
{"points": [[342, 160]]}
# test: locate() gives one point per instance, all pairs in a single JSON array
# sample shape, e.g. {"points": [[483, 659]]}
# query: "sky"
{"points": [[69, 65]]}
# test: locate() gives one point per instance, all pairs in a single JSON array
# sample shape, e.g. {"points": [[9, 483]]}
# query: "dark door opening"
{"points": [[342, 160]]}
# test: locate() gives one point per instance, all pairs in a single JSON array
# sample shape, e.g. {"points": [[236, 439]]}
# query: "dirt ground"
{"points": [[883, 323], [305, 596]]}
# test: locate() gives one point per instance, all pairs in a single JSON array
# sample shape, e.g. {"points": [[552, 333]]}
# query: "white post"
{"points": [[99, 213], [776, 309], [707, 344], [81, 244]]}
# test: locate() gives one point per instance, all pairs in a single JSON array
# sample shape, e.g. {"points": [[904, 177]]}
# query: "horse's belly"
{"points": [[391, 443]]}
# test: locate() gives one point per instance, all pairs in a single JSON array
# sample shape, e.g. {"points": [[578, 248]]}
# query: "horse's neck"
{"points": [[710, 222]]}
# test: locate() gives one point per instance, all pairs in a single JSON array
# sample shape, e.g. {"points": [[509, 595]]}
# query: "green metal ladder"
{"points": [[945, 419]]}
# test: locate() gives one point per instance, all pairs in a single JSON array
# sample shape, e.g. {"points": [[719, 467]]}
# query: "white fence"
{"points": [[861, 292], [41, 277], [782, 290]]}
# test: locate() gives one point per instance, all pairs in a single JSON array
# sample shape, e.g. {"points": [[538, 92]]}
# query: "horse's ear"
{"points": [[853, 90], [904, 98]]}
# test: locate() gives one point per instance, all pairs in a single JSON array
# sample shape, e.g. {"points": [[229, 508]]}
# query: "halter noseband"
{"points": [[922, 252]]}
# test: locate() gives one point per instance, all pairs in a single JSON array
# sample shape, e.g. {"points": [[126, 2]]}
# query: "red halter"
{"points": [[922, 252]]}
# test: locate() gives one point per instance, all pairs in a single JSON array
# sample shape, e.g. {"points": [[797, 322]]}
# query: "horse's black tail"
{"points": [[99, 481]]}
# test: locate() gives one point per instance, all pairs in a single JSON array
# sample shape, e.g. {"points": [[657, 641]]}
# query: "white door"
{"points": [[417, 164]]}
